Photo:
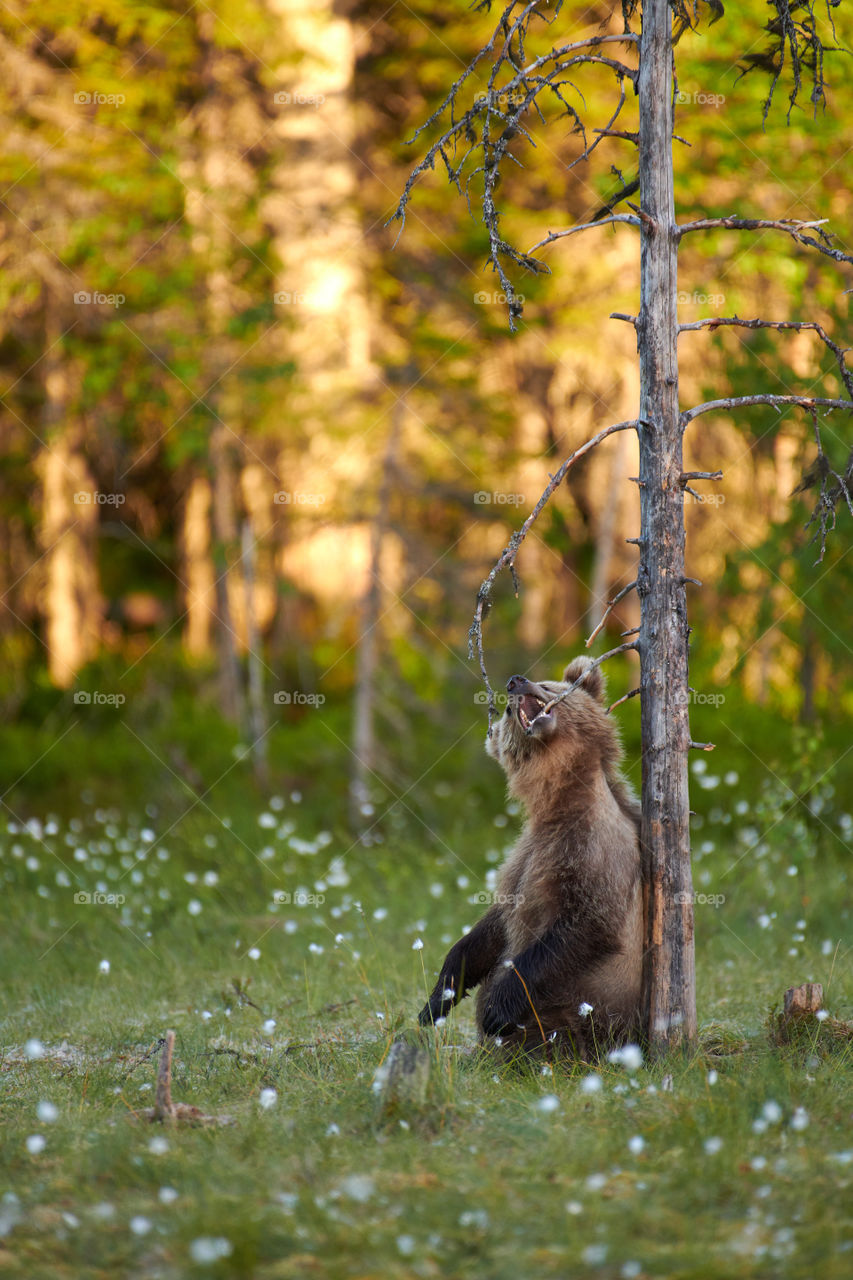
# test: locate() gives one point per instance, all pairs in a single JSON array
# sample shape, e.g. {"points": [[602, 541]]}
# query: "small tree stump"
{"points": [[804, 1000], [402, 1079]]}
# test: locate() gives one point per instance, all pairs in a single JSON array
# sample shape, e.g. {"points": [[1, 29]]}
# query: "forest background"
{"points": [[242, 428]]}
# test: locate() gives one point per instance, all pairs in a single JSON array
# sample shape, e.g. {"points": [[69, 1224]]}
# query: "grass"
{"points": [[736, 1162]]}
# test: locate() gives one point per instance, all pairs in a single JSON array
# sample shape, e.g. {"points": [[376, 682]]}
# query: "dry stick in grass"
{"points": [[165, 1111], [164, 1108]]}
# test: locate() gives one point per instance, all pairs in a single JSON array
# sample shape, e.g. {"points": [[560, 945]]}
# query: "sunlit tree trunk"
{"points": [[197, 571], [71, 598]]}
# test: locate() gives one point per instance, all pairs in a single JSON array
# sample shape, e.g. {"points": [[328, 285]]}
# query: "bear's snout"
{"points": [[515, 684]]}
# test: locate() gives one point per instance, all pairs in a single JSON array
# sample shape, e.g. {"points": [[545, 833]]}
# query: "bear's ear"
{"points": [[593, 683]]}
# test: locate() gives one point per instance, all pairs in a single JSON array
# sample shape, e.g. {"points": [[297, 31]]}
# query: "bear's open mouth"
{"points": [[529, 707]]}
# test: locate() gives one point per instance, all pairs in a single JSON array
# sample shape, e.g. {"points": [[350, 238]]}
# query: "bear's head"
{"points": [[543, 731]]}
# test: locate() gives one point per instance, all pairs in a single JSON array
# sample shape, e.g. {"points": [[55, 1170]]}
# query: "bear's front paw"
{"points": [[438, 1006], [504, 1010]]}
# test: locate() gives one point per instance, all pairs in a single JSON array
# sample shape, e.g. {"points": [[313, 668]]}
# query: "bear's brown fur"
{"points": [[566, 928]]}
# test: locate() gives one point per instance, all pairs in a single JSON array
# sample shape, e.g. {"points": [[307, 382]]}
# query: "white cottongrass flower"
{"points": [[574, 1207], [712, 1146], [594, 1254], [46, 1111], [548, 1103], [800, 1119], [772, 1112], [34, 1049], [269, 1026], [315, 948], [158, 1146], [591, 1084], [474, 1218], [636, 1145], [406, 1245], [629, 1056], [104, 966], [268, 1098], [254, 953], [140, 1225], [167, 1195], [36, 1143], [418, 944], [358, 1186], [821, 1015], [333, 1130], [712, 1076], [380, 913], [209, 1249], [584, 1009], [194, 907]]}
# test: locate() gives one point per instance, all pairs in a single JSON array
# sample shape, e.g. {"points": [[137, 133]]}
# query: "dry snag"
{"points": [[165, 1111], [475, 140]]}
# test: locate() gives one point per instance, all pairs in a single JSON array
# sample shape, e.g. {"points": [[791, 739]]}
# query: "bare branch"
{"points": [[608, 131], [611, 604], [700, 475], [504, 105], [702, 746], [596, 662], [585, 226], [741, 402], [715, 322], [791, 226], [506, 560], [632, 693]]}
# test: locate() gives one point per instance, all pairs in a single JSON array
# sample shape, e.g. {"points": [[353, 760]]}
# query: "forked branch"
{"points": [[743, 402], [720, 322], [791, 226]]}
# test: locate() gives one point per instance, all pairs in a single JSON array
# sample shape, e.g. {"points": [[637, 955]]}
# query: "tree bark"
{"points": [[669, 1000]]}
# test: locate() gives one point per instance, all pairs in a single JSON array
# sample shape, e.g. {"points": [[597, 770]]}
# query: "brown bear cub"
{"points": [[558, 958]]}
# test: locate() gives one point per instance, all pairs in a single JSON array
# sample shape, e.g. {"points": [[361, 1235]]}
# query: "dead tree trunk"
{"points": [[669, 985]]}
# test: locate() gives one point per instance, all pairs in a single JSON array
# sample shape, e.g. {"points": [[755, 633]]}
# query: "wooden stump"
{"points": [[804, 1000], [403, 1078]]}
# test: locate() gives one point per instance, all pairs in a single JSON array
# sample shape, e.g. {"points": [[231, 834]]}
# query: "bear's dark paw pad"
{"points": [[435, 1008]]}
